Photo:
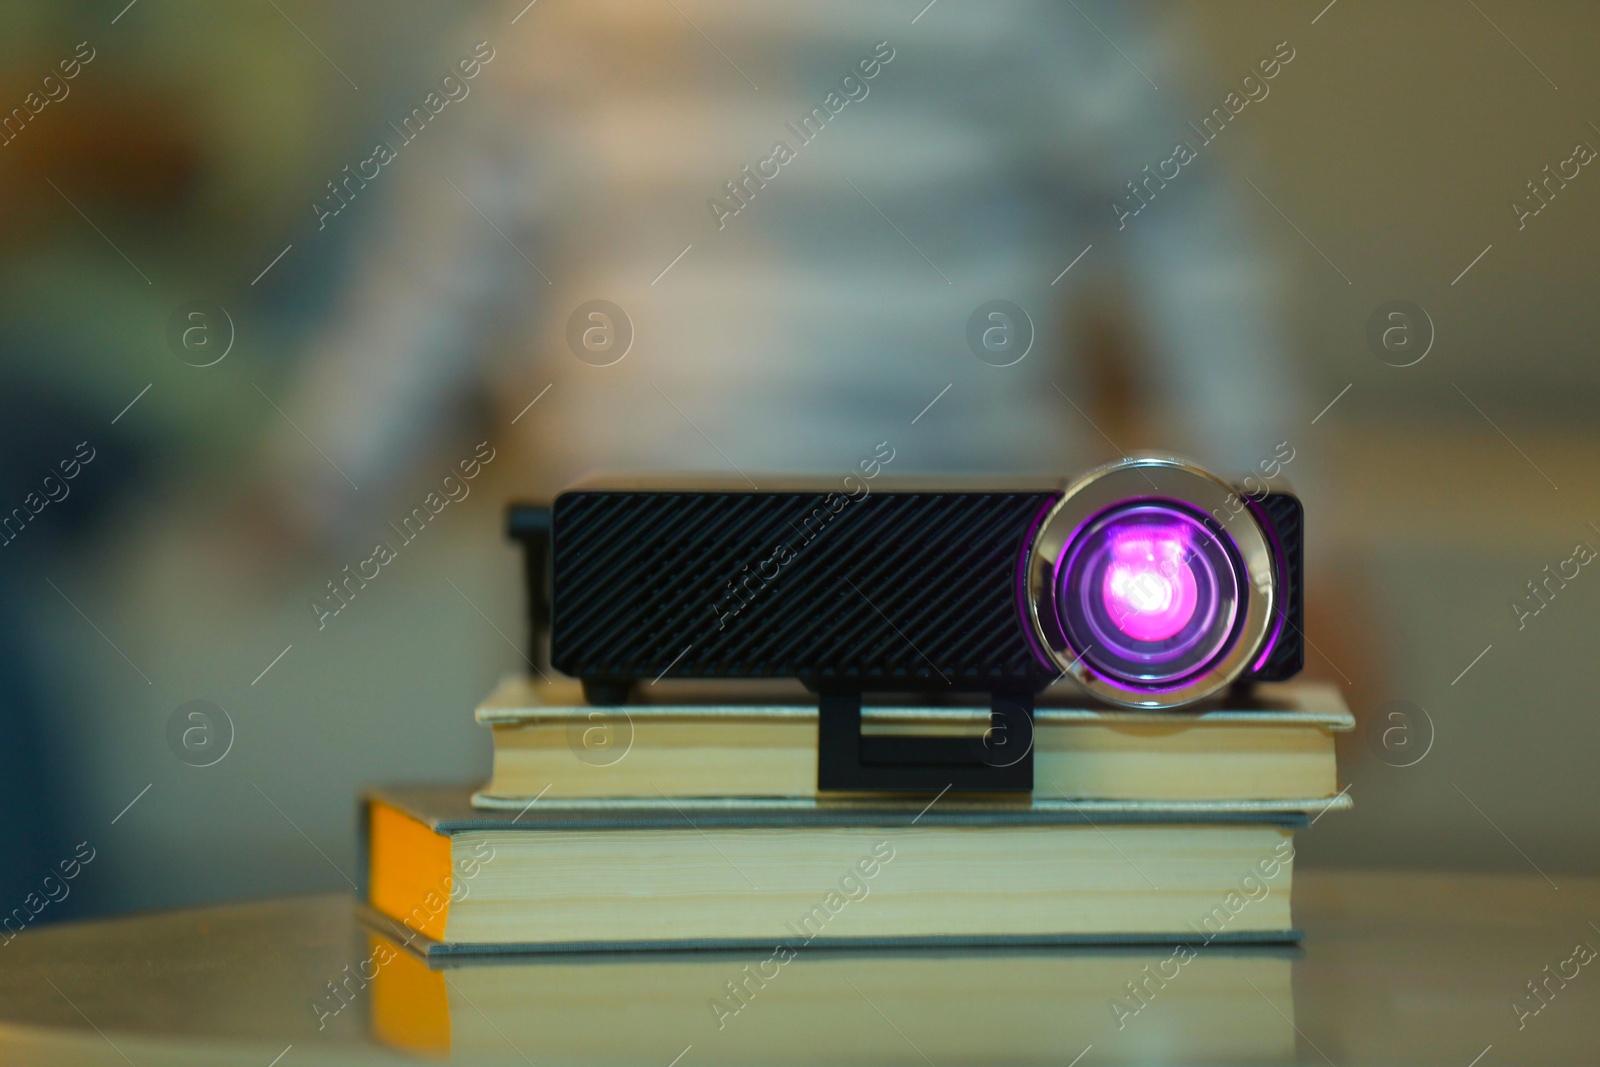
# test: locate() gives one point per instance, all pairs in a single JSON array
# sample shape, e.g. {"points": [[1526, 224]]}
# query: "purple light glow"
{"points": [[1149, 591]]}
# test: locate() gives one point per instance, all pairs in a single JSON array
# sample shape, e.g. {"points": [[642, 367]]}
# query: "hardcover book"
{"points": [[680, 740], [617, 875]]}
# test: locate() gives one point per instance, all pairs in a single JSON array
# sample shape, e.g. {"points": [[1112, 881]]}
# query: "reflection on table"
{"points": [[1394, 969], [1202, 1005]]}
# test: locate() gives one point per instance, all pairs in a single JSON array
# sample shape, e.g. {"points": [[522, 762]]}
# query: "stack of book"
{"points": [[691, 820]]}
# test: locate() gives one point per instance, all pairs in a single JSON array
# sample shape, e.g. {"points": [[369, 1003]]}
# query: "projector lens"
{"points": [[1149, 594], [1150, 583]]}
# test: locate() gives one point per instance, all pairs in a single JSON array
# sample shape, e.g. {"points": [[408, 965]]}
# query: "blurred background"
{"points": [[180, 490]]}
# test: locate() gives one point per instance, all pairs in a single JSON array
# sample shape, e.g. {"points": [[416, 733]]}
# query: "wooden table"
{"points": [[1395, 969]]}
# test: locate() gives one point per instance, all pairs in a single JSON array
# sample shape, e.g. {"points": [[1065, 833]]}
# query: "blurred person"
{"points": [[797, 206]]}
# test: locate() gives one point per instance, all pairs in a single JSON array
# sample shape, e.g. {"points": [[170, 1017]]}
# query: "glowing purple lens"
{"points": [[1149, 594], [1149, 590]]}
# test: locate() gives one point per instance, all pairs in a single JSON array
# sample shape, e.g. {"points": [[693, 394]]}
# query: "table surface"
{"points": [[1395, 968]]}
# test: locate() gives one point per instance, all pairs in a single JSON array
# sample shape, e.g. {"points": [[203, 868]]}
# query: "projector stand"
{"points": [[999, 762]]}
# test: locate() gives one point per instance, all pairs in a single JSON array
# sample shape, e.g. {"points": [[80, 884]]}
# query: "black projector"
{"points": [[1151, 582]]}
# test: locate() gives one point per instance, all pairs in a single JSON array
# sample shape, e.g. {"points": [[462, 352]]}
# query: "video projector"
{"points": [[1151, 582]]}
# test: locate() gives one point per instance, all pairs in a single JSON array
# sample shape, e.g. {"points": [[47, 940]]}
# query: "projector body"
{"points": [[1151, 582], [912, 590]]}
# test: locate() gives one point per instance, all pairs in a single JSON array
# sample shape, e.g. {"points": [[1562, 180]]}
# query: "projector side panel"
{"points": [[891, 590], [1286, 516]]}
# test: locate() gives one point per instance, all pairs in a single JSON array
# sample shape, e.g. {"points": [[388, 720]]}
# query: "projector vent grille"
{"points": [[882, 591]]}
